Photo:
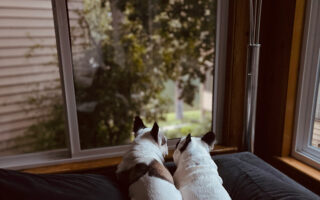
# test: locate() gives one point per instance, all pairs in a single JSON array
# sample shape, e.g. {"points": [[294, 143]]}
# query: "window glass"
{"points": [[31, 111], [149, 58], [315, 139]]}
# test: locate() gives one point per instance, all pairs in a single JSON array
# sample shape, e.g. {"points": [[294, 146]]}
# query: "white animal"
{"points": [[142, 169], [197, 176]]}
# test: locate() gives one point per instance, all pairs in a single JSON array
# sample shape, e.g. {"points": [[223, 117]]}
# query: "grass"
{"points": [[169, 92], [191, 123]]}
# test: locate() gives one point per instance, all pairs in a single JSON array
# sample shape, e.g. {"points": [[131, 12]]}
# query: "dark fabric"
{"points": [[245, 177], [15, 185]]}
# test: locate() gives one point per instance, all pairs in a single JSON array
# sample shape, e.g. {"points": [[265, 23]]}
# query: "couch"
{"points": [[245, 177]]}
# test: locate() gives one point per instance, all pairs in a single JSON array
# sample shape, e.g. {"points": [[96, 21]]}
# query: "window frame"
{"points": [[308, 89], [73, 152]]}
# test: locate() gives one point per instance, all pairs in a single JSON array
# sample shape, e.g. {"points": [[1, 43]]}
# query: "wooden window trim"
{"points": [[238, 37], [282, 28], [302, 167], [292, 89], [304, 174], [103, 163]]}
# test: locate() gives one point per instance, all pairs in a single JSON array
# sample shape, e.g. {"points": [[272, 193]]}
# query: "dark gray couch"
{"points": [[245, 176]]}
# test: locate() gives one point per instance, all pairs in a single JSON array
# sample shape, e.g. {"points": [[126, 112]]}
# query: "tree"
{"points": [[185, 32]]}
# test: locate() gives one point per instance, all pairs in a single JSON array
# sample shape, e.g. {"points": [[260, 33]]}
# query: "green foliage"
{"points": [[138, 45], [48, 132], [182, 35]]}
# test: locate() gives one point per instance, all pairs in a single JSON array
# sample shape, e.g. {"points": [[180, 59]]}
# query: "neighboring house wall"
{"points": [[318, 106], [28, 66], [316, 129]]}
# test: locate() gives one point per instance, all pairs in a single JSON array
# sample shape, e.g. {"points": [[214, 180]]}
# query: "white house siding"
{"points": [[317, 114], [28, 66]]}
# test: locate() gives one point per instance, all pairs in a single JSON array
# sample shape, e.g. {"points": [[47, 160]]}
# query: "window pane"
{"points": [[31, 111], [149, 58], [315, 141]]}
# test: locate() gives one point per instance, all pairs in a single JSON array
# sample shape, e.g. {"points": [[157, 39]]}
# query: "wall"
{"points": [[317, 114]]}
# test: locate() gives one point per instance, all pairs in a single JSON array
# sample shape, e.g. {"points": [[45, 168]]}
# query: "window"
{"points": [[306, 142], [121, 58], [151, 58], [30, 92]]}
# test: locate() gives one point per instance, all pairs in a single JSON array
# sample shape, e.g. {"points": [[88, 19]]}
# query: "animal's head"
{"points": [[150, 135], [194, 145]]}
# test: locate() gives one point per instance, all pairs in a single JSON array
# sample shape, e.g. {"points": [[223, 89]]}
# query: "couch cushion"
{"points": [[16, 185], [246, 176]]}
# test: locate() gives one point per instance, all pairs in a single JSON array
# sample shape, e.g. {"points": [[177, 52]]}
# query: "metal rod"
{"points": [[251, 22], [251, 95], [253, 54], [258, 21], [254, 20]]}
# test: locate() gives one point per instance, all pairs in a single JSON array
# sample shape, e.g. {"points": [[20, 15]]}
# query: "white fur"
{"points": [[144, 149], [196, 176], [153, 188]]}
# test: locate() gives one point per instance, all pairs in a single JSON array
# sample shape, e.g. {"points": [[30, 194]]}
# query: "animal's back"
{"points": [[204, 185], [204, 192], [151, 182], [153, 188]]}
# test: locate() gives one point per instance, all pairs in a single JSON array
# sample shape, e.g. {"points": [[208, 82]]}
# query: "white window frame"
{"points": [[308, 88], [74, 153]]}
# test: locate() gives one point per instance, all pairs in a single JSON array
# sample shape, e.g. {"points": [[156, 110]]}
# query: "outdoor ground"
{"points": [[192, 122]]}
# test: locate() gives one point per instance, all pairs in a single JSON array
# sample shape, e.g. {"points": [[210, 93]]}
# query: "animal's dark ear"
{"points": [[138, 124], [155, 131], [209, 138], [187, 141]]}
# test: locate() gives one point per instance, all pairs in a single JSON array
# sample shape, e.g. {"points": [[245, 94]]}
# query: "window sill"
{"points": [[299, 171], [106, 162]]}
